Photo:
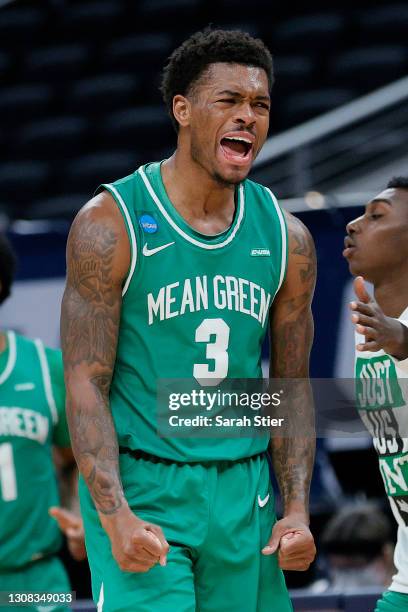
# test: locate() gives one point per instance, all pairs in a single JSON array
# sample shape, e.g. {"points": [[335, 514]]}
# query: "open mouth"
{"points": [[237, 149]]}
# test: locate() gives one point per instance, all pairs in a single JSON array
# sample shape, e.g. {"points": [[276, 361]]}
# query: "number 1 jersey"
{"points": [[32, 420]]}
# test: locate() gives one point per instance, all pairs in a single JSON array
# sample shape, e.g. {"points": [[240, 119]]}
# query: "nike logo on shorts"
{"points": [[148, 252], [263, 502]]}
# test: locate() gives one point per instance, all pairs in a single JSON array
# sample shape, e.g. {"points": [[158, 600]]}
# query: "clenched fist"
{"points": [[294, 542], [136, 545]]}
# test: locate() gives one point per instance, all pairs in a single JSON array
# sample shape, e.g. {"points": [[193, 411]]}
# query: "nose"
{"points": [[354, 226], [245, 114]]}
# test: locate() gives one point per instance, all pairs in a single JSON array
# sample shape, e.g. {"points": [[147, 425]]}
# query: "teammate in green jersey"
{"points": [[177, 272], [32, 424], [376, 247]]}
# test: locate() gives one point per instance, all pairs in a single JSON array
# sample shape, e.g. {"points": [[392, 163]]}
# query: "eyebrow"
{"points": [[235, 94], [377, 200]]}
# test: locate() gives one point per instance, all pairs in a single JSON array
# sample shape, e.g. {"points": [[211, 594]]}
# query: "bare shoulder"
{"points": [[298, 234], [291, 320], [97, 263], [301, 251], [98, 234]]}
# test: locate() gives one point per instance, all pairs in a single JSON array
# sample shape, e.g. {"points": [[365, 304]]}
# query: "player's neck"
{"points": [[3, 342], [188, 183], [392, 295]]}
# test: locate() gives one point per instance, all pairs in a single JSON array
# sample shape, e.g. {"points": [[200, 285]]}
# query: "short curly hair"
{"points": [[398, 182], [188, 62], [7, 267]]}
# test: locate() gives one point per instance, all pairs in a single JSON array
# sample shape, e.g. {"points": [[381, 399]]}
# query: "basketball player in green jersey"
{"points": [[32, 423], [377, 248], [177, 271]]}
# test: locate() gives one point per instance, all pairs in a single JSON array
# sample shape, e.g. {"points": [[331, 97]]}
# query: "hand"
{"points": [[136, 545], [71, 525], [294, 542], [380, 331]]}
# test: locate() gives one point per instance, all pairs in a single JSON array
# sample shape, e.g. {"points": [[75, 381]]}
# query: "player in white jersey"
{"points": [[376, 248]]}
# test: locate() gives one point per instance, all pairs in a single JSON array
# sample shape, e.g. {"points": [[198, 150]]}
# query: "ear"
{"points": [[181, 110]]}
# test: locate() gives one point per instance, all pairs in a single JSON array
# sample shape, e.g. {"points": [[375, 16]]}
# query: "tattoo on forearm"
{"points": [[89, 324], [293, 454], [97, 450]]}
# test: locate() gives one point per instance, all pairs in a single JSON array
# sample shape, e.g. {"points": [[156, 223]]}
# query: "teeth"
{"points": [[238, 138]]}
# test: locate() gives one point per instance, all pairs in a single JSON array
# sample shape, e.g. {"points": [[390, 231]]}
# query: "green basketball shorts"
{"points": [[216, 518], [45, 575], [391, 601]]}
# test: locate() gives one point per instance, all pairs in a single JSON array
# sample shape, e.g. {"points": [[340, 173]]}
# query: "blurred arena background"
{"points": [[79, 104]]}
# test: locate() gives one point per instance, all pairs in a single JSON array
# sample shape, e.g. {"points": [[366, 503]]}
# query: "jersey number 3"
{"points": [[215, 333], [7, 473]]}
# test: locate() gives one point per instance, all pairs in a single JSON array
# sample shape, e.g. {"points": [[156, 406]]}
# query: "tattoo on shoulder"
{"points": [[301, 245], [91, 302], [292, 323]]}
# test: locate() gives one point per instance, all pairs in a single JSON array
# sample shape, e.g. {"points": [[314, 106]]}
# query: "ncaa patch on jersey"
{"points": [[148, 224], [260, 253]]}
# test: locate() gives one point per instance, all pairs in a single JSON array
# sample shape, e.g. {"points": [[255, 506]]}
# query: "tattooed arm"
{"points": [[293, 452], [98, 257]]}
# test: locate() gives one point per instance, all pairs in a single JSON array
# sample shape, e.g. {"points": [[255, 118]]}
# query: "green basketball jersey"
{"points": [[194, 307], [32, 419]]}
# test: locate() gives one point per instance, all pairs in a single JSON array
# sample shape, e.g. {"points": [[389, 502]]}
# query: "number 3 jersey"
{"points": [[382, 401], [194, 307], [32, 419]]}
